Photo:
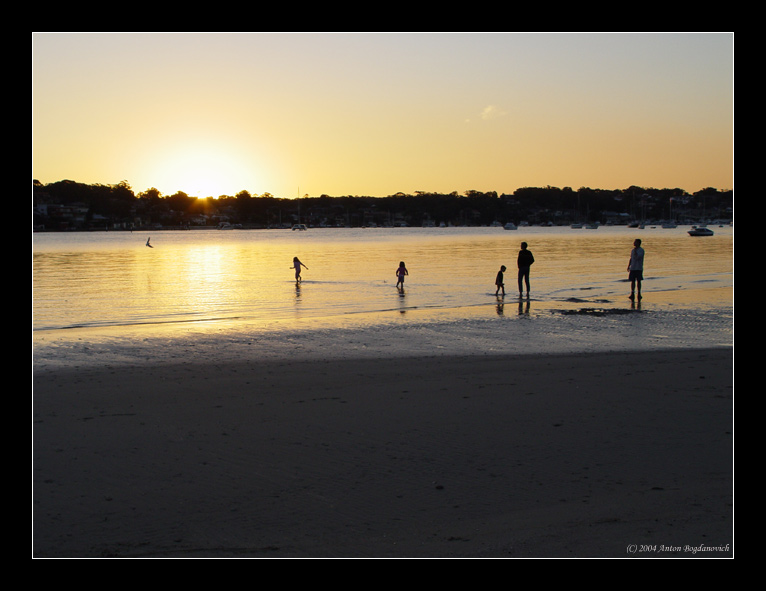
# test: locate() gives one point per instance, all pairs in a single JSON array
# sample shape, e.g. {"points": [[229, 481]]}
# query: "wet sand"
{"points": [[625, 454]]}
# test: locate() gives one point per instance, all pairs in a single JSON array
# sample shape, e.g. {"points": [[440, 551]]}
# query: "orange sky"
{"points": [[378, 113]]}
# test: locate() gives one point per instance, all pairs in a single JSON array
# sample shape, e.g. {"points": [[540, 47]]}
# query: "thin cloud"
{"points": [[491, 112]]}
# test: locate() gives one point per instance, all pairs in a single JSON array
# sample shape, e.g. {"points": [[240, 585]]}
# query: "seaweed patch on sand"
{"points": [[580, 301], [598, 311]]}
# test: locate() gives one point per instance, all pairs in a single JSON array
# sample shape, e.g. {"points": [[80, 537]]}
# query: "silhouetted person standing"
{"points": [[525, 261], [636, 269]]}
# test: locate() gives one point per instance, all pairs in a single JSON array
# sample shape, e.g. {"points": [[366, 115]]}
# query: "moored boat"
{"points": [[700, 231]]}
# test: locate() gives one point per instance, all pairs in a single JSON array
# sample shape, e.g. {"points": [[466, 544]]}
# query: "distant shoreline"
{"points": [[257, 227]]}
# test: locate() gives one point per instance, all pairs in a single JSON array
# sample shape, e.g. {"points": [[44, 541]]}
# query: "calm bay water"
{"points": [[101, 279], [242, 278]]}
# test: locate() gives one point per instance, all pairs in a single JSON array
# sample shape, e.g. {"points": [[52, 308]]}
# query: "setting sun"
{"points": [[202, 170]]}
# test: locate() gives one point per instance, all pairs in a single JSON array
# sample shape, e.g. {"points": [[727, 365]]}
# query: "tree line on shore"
{"points": [[67, 205]]}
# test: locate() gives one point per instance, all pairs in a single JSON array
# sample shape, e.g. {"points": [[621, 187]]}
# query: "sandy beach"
{"points": [[609, 455]]}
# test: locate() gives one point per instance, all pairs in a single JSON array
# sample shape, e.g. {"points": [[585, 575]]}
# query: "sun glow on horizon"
{"points": [[203, 170]]}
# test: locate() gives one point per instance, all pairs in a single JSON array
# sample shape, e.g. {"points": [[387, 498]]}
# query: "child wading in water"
{"points": [[401, 271], [297, 266], [499, 280]]}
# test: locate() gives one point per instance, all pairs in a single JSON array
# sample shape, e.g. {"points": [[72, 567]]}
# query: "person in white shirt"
{"points": [[636, 269]]}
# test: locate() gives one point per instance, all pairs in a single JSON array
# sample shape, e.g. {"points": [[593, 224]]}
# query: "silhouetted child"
{"points": [[499, 280], [297, 266], [401, 271]]}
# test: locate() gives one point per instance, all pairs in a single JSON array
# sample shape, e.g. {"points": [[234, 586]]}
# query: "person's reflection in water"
{"points": [[298, 303], [524, 307]]}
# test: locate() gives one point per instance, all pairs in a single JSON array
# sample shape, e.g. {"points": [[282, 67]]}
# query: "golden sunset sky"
{"points": [[378, 113]]}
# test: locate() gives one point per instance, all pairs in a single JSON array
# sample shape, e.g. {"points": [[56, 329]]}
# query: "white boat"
{"points": [[700, 231], [299, 227], [510, 226]]}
